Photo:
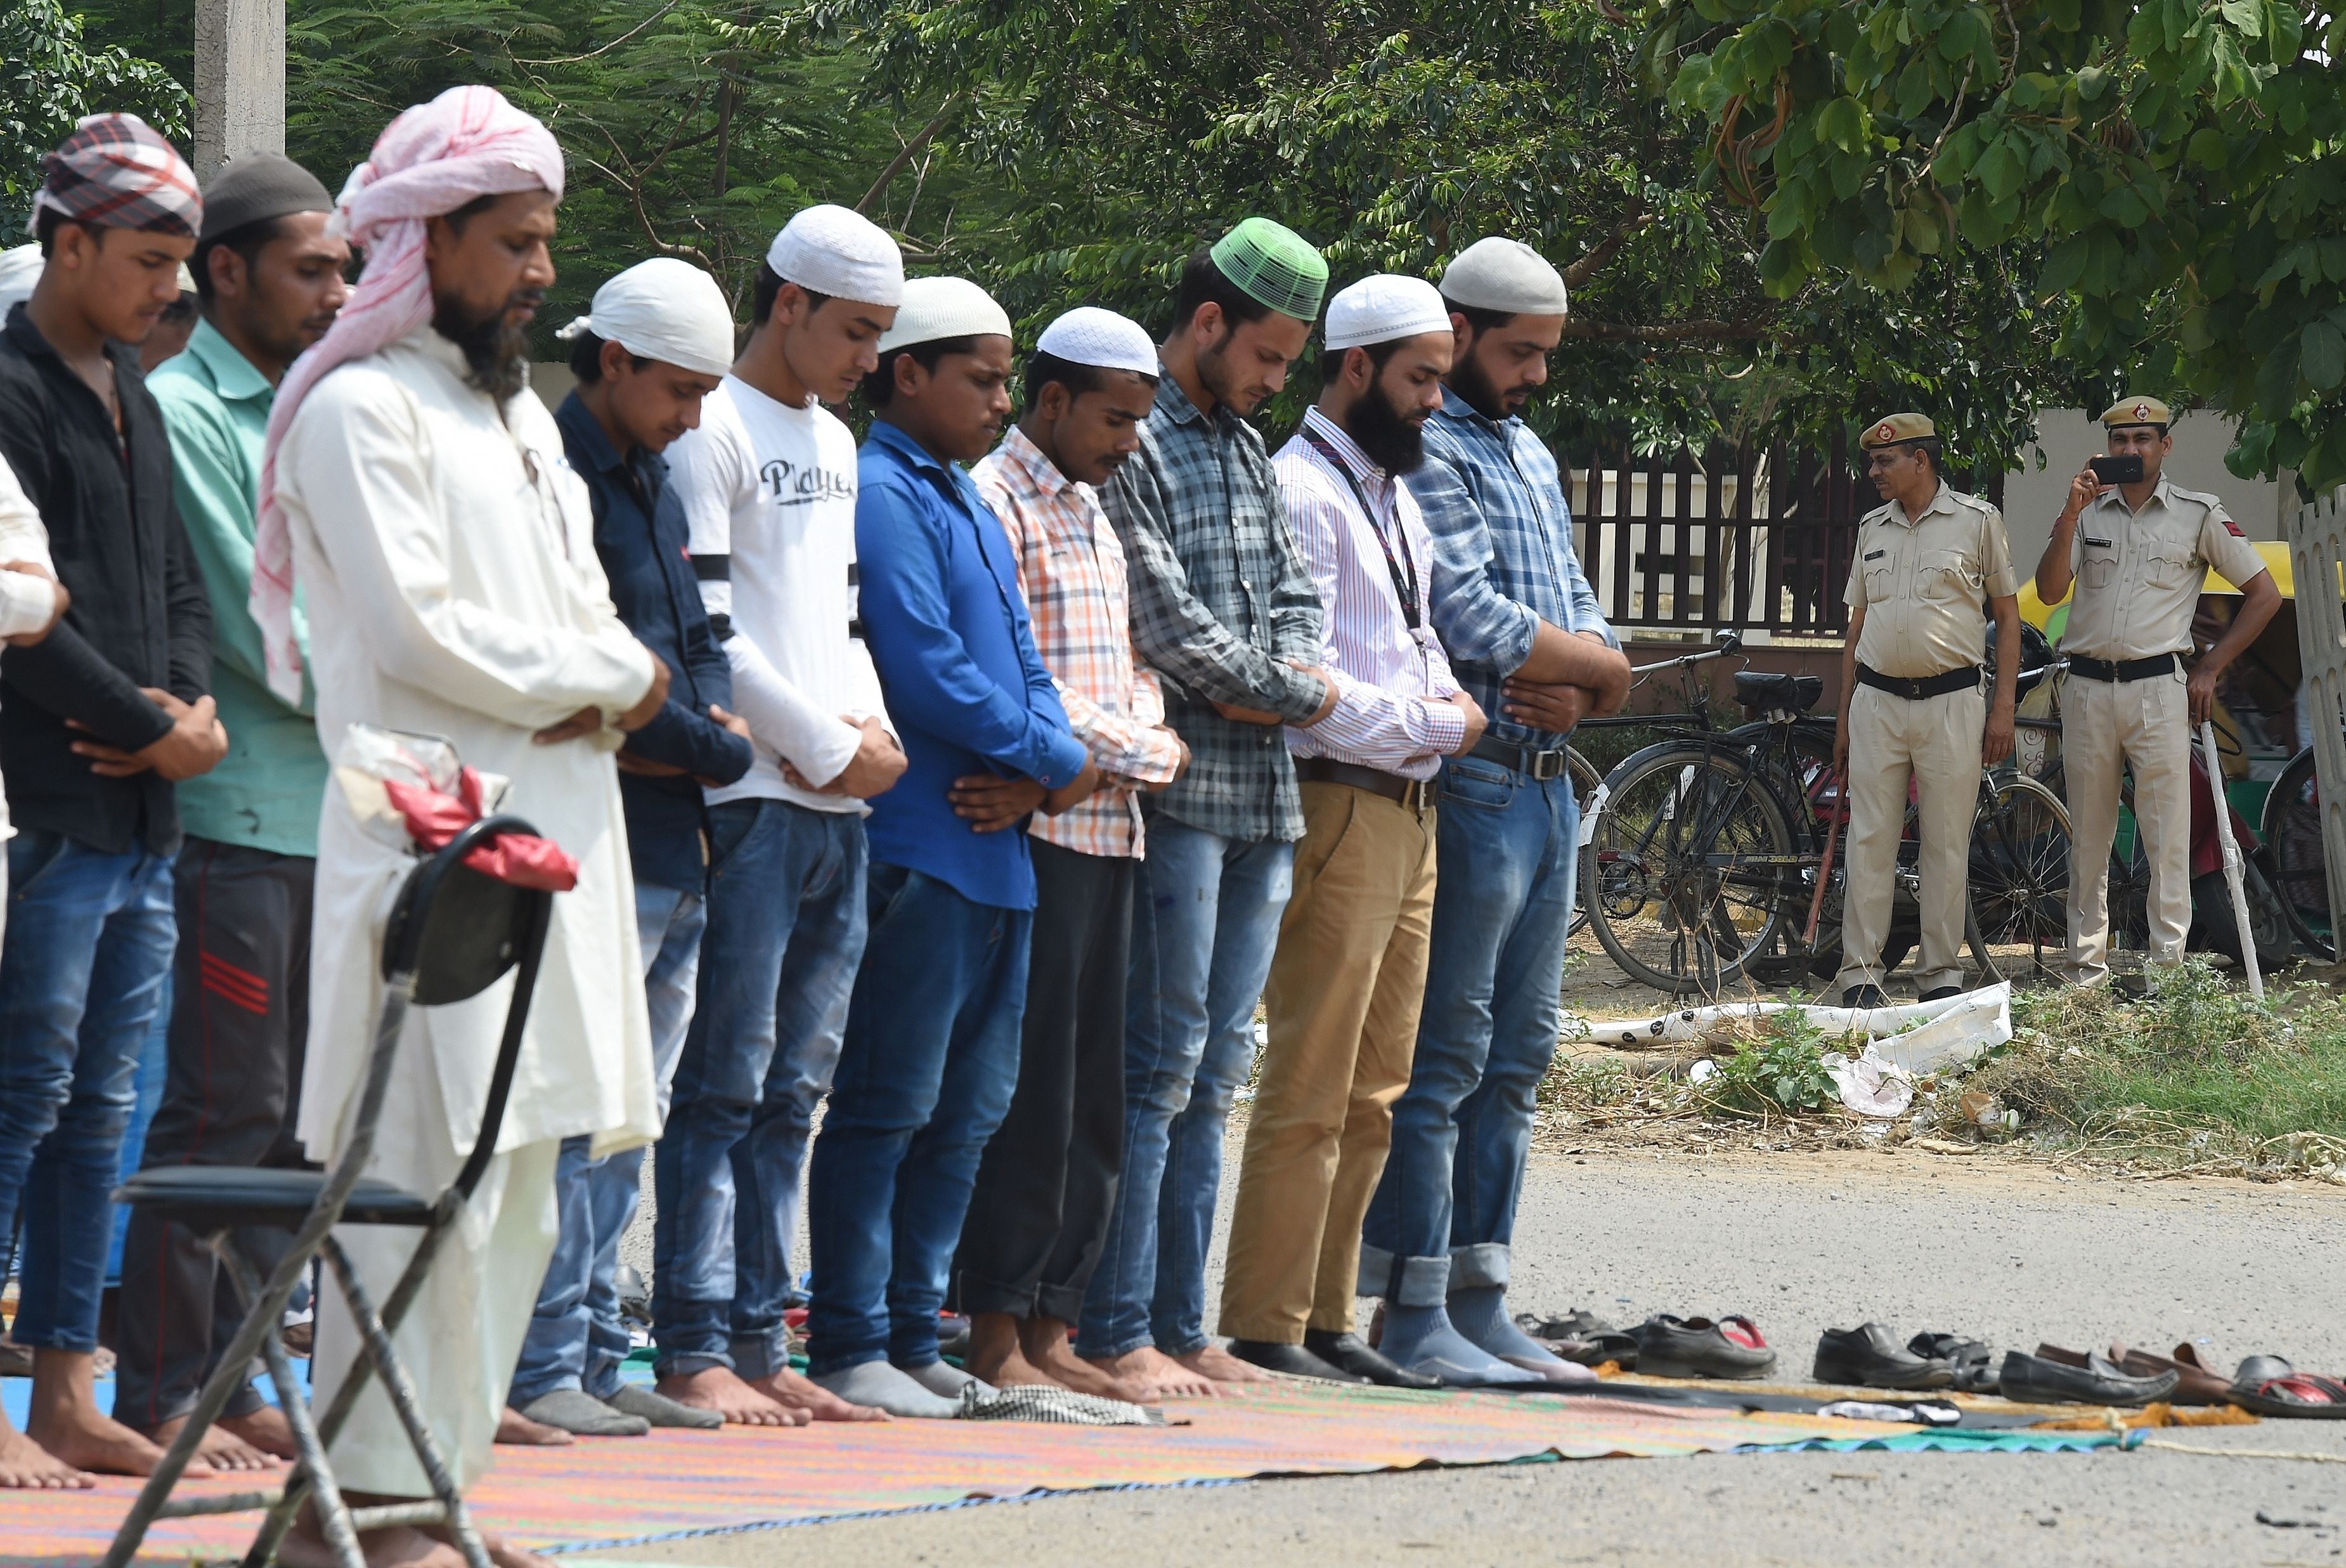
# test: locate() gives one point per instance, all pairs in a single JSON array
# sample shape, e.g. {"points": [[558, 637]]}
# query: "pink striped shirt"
{"points": [[1392, 679]]}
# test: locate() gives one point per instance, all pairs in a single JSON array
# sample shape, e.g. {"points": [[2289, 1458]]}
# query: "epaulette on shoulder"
{"points": [[2204, 497]]}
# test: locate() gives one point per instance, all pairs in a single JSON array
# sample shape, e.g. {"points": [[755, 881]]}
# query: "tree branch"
{"points": [[1605, 249], [1670, 332], [912, 149]]}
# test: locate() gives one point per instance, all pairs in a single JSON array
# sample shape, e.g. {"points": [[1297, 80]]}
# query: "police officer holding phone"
{"points": [[2139, 549]]}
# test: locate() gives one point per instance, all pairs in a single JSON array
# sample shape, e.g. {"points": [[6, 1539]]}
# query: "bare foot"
{"points": [[1164, 1377], [65, 1420], [721, 1390], [515, 1428], [1211, 1360], [1043, 1341], [222, 1447], [995, 1355], [26, 1466], [793, 1391], [267, 1430], [400, 1546]]}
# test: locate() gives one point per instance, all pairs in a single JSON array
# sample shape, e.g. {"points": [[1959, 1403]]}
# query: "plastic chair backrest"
{"points": [[455, 931]]}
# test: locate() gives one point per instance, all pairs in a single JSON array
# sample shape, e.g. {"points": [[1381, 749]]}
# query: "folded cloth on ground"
{"points": [[1064, 1407], [1922, 1412]]}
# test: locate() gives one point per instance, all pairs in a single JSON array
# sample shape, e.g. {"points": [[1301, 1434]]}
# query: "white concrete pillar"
{"points": [[239, 84]]}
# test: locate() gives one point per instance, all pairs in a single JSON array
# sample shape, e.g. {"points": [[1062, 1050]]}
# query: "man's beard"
{"points": [[1393, 444], [1214, 372], [495, 348], [1470, 380]]}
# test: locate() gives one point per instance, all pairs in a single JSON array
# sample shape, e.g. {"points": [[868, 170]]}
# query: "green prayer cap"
{"points": [[1273, 264]]}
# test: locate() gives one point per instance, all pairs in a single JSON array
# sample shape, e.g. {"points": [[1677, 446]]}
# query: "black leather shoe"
{"points": [[1671, 1346], [1347, 1353], [1292, 1359], [2092, 1379], [1871, 1358], [1863, 996], [1941, 992]]}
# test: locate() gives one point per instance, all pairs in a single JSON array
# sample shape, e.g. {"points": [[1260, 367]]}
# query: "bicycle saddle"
{"points": [[1791, 693]]}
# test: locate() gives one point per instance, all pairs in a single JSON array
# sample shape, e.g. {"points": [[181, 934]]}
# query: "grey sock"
{"points": [[878, 1383], [944, 1380], [633, 1399], [582, 1413]]}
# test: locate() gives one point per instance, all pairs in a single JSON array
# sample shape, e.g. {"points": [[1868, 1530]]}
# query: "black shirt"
{"points": [[640, 535], [138, 618]]}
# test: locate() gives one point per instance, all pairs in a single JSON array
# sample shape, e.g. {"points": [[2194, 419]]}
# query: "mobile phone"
{"points": [[2126, 470]]}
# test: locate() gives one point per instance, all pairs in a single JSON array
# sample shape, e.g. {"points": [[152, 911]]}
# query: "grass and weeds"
{"points": [[2196, 1075]]}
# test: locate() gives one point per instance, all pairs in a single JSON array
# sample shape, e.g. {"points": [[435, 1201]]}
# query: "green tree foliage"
{"points": [[2175, 170], [1393, 132], [50, 77]]}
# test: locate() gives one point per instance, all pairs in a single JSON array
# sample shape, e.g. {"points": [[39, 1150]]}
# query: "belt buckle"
{"points": [[1913, 690], [1545, 766]]}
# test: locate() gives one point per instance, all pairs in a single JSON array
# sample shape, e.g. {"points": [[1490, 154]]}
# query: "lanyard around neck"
{"points": [[1404, 588]]}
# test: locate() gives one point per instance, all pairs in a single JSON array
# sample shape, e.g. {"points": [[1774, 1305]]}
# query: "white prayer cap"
{"points": [[20, 268], [935, 308], [1379, 309], [1089, 335], [840, 253], [664, 308], [1496, 273]]}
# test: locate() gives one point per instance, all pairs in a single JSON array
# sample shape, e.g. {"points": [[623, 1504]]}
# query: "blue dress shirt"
{"points": [[966, 689], [639, 535]]}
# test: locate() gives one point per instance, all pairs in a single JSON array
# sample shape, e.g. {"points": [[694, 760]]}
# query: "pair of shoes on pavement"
{"points": [[1731, 1347], [1582, 1338], [631, 1411], [1870, 1357], [2055, 1376], [1330, 1357]]}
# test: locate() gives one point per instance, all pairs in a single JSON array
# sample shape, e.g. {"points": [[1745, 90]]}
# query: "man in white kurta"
{"points": [[446, 552]]}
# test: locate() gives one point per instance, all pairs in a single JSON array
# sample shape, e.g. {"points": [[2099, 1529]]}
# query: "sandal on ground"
{"points": [[1732, 1347], [1970, 1363], [2271, 1387]]}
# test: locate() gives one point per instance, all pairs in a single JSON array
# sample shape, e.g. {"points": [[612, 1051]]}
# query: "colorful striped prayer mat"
{"points": [[623, 1491]]}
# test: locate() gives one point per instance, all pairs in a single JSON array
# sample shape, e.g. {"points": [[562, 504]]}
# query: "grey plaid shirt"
{"points": [[1221, 601]]}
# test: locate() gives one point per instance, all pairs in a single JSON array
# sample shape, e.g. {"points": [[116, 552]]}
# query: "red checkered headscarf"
{"points": [[117, 171]]}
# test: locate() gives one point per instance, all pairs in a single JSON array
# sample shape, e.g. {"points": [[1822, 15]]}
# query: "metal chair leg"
{"points": [[400, 1390], [333, 1513]]}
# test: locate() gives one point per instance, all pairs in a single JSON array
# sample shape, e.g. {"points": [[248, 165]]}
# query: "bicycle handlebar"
{"points": [[1730, 642]]}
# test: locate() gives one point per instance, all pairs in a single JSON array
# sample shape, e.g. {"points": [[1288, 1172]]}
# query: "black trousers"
{"points": [[240, 1021], [1046, 1185]]}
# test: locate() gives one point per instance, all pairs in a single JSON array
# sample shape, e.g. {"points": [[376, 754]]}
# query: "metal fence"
{"points": [[1751, 538]]}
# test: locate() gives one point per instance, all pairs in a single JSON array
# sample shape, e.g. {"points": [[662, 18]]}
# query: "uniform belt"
{"points": [[2124, 668], [1916, 688], [1415, 793], [1541, 765]]}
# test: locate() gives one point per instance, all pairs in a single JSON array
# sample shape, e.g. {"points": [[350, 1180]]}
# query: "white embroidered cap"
{"points": [[835, 251], [1089, 335], [1381, 307], [935, 308], [1496, 273]]}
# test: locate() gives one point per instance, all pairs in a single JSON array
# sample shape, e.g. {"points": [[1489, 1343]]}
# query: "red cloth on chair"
{"points": [[525, 859]]}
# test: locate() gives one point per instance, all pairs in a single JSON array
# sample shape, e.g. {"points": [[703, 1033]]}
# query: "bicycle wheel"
{"points": [[1585, 780], [2019, 877], [1684, 870], [2292, 834]]}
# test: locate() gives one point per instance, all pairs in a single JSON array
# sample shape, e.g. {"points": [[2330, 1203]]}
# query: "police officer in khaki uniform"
{"points": [[1931, 566], [2139, 553]]}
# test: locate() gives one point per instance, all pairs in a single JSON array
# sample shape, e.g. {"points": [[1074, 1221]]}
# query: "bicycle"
{"points": [[1701, 855], [2291, 829]]}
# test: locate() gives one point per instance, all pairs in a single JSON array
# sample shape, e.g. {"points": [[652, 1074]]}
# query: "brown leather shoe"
{"points": [[2197, 1384]]}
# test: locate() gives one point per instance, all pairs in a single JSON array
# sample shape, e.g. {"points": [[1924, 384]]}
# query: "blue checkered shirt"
{"points": [[1221, 600], [1503, 559]]}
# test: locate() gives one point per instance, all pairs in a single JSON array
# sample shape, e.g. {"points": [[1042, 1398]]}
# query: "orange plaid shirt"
{"points": [[1071, 569]]}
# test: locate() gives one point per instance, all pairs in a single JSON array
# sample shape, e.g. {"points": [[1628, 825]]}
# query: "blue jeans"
{"points": [[1444, 1212], [786, 924], [1204, 918], [575, 1339], [925, 1078], [82, 969]]}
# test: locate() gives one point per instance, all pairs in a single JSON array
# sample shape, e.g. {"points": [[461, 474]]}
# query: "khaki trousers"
{"points": [[1935, 742], [2103, 726], [1342, 1000], [461, 1339]]}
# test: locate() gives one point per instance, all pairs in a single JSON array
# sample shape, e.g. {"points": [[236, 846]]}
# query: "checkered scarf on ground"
{"points": [[117, 171], [1062, 1407]]}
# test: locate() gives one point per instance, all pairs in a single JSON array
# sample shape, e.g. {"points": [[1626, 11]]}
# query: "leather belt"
{"points": [[1416, 794], [2124, 668], [1917, 689], [1540, 765]]}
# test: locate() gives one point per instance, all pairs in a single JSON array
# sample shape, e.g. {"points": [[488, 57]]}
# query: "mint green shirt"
{"points": [[267, 791]]}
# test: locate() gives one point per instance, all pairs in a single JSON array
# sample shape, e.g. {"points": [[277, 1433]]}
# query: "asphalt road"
{"points": [[2009, 1254]]}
